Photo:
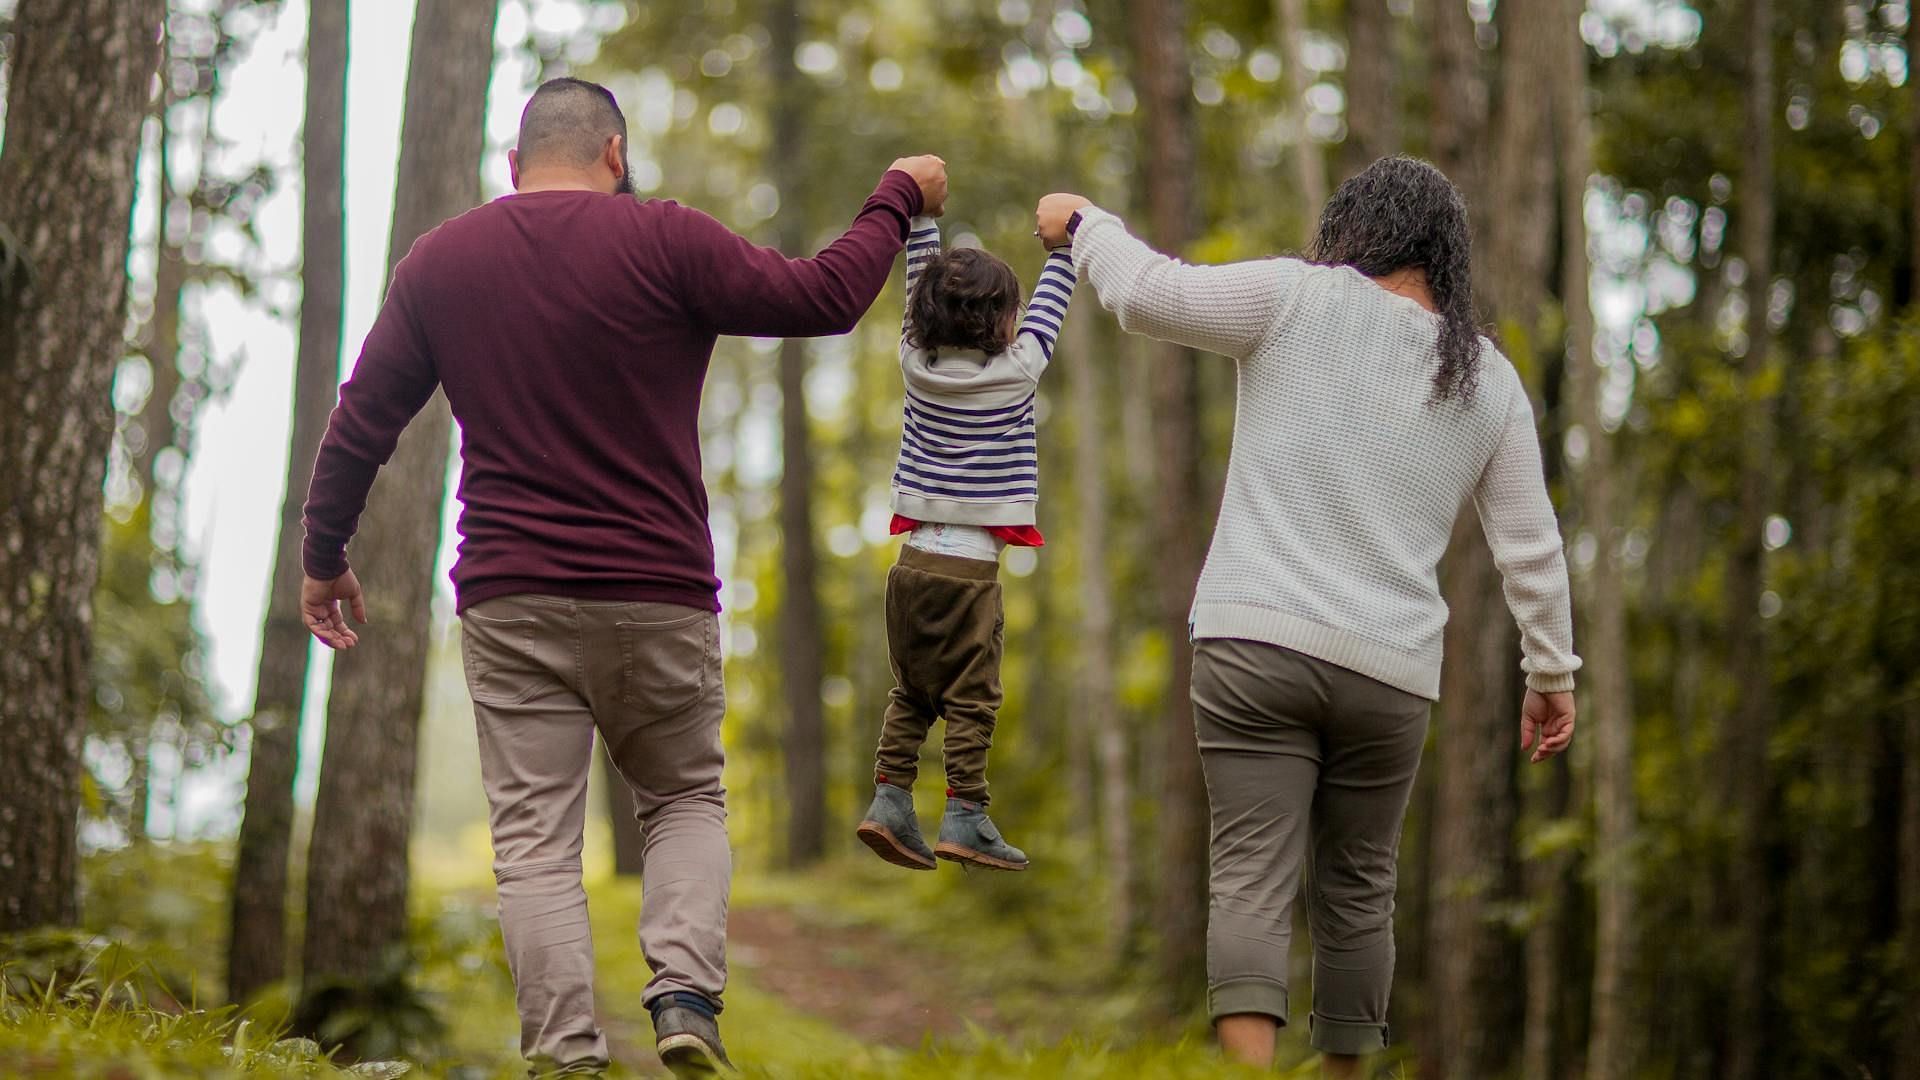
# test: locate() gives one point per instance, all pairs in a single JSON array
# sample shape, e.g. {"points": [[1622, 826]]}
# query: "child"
{"points": [[964, 487]]}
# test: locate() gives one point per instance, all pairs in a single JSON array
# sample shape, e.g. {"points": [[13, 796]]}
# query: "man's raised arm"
{"points": [[740, 288]]}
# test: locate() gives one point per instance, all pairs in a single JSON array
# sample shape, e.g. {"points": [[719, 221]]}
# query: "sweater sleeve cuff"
{"points": [[1544, 683], [902, 192], [1092, 221], [323, 559]]}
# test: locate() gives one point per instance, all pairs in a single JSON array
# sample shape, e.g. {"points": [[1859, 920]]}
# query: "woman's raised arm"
{"points": [[1222, 309]]}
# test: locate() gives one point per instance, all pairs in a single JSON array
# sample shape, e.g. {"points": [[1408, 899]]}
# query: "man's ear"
{"points": [[513, 167], [615, 157]]}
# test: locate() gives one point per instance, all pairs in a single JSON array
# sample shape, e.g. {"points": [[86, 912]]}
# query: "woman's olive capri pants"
{"points": [[1307, 764]]}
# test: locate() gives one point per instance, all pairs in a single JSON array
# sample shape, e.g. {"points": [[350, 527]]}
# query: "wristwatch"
{"points": [[1073, 223]]}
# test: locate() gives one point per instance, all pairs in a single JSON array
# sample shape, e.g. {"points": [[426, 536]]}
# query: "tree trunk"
{"points": [[157, 425], [363, 817], [1608, 708], [1309, 164], [257, 948], [1913, 174], [1907, 1035], [1159, 30], [802, 664], [1457, 91], [82, 72], [1749, 893], [1095, 707], [629, 839], [1373, 108], [1473, 830]]}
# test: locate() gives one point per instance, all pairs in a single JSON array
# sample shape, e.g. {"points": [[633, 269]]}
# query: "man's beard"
{"points": [[624, 185]]}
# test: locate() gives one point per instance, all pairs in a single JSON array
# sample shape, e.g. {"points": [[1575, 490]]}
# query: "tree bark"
{"points": [[1373, 107], [157, 425], [1907, 1035], [1913, 172], [1095, 707], [1608, 708], [1159, 29], [1473, 830], [802, 663], [357, 866], [1749, 893], [82, 72], [1309, 163], [257, 947]]}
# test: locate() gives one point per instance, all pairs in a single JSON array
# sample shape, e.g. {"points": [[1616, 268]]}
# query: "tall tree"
{"points": [[1608, 708], [1094, 702], [802, 657], [1749, 889], [82, 71], [1309, 164], [1474, 785], [357, 868], [257, 945], [1373, 107], [1159, 29]]}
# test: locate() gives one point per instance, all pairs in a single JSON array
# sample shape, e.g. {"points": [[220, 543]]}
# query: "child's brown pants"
{"points": [[943, 641]]}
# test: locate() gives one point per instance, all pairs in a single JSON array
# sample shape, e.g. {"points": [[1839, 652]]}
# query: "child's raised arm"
{"points": [[1047, 311], [923, 243]]}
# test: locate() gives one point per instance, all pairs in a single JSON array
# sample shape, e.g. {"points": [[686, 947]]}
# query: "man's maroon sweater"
{"points": [[572, 332]]}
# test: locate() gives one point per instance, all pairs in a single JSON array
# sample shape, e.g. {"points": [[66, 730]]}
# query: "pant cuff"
{"points": [[900, 778], [1247, 995], [969, 794], [1345, 1036]]}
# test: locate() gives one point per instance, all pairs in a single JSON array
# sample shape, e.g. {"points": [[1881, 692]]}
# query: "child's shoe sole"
{"points": [[882, 841], [947, 849], [688, 1057]]}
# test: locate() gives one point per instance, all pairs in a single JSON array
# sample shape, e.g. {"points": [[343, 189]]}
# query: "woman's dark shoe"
{"points": [[892, 829], [968, 836], [686, 1034]]}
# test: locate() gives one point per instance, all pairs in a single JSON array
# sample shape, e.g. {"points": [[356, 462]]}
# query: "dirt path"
{"points": [[861, 981]]}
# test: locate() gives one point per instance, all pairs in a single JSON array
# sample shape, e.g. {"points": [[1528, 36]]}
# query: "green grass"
{"points": [[79, 1005]]}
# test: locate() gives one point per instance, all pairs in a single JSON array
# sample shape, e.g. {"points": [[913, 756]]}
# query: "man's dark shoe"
{"points": [[968, 836], [892, 829], [686, 1033]]}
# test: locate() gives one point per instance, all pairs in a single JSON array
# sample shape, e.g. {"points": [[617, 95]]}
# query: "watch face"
{"points": [[1073, 223]]}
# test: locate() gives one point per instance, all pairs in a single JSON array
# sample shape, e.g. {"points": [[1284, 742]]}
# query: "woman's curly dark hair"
{"points": [[1402, 212], [964, 299]]}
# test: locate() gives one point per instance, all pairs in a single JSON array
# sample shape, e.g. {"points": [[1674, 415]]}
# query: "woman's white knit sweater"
{"points": [[1346, 477]]}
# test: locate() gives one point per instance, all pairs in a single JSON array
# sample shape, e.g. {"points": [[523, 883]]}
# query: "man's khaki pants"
{"points": [[544, 672]]}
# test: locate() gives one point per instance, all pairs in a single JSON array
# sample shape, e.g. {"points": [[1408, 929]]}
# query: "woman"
{"points": [[1370, 410]]}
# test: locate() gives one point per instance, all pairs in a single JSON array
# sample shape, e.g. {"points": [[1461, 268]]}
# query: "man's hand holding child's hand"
{"points": [[930, 172]]}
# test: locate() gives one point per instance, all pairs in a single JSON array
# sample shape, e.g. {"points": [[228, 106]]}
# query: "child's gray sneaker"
{"points": [[686, 1034], [892, 829], [968, 835]]}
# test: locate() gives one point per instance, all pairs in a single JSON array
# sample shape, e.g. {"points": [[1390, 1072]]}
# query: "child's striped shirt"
{"points": [[968, 454]]}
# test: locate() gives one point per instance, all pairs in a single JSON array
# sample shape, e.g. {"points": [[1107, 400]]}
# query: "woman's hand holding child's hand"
{"points": [[1050, 217]]}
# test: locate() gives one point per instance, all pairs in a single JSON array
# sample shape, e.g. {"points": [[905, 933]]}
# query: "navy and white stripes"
{"points": [[968, 452], [1047, 311]]}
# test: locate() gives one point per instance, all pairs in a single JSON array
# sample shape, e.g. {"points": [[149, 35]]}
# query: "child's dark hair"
{"points": [[964, 300]]}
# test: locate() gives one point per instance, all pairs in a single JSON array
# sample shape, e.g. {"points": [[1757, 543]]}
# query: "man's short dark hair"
{"points": [[567, 122]]}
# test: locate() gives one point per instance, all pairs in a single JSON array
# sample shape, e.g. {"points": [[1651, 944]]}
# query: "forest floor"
{"points": [[851, 972]]}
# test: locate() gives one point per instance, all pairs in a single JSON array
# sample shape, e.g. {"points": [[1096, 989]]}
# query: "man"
{"points": [[571, 328]]}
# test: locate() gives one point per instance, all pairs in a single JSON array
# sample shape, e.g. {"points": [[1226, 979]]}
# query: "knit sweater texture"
{"points": [[1346, 475]]}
